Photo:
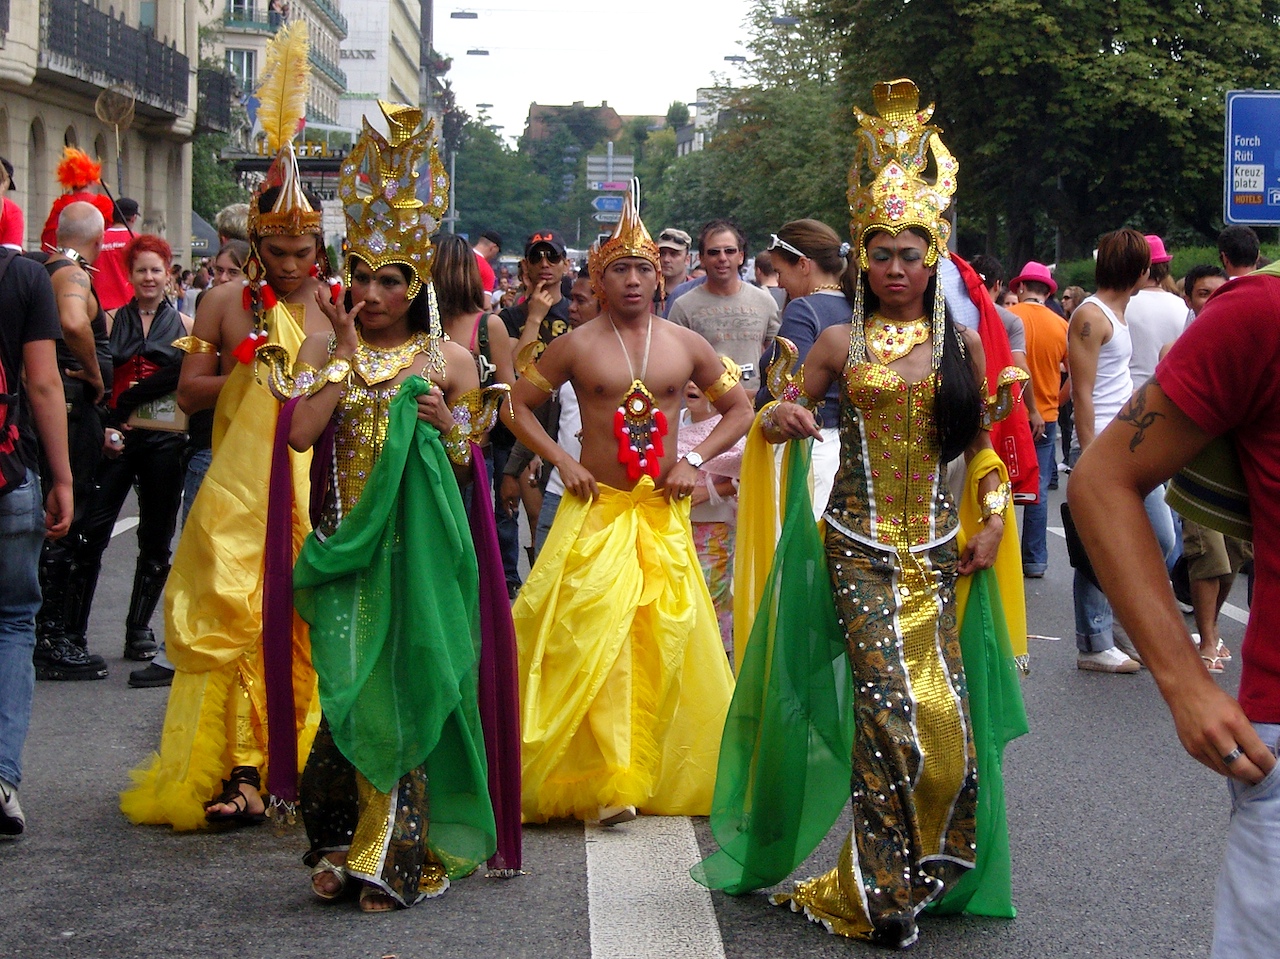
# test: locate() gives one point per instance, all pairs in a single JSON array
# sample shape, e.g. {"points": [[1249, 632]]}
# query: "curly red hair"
{"points": [[147, 243]]}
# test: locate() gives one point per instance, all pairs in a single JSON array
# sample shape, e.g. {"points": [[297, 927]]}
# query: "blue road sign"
{"points": [[607, 204], [1251, 173]]}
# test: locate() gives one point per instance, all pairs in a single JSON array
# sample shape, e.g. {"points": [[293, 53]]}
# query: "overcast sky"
{"points": [[638, 57]]}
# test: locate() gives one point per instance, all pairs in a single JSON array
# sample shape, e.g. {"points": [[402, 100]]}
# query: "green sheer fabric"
{"points": [[998, 717], [392, 597], [784, 767]]}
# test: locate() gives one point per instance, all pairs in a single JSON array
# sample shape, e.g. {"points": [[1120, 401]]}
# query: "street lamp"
{"points": [[733, 58], [785, 21], [464, 15], [484, 106], [477, 52]]}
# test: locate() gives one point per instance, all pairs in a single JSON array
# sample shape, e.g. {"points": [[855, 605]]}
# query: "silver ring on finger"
{"points": [[1232, 756]]}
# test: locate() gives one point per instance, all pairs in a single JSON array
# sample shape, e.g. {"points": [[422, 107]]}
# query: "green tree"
{"points": [[496, 188], [213, 183], [677, 115], [1068, 118]]}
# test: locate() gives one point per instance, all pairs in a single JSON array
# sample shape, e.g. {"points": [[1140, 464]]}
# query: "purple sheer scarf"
{"points": [[277, 619], [499, 689]]}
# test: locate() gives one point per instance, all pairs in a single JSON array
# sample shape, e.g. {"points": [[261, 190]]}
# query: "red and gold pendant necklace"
{"points": [[638, 424]]}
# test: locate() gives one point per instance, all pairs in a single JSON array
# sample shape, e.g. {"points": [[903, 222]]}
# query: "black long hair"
{"points": [[958, 404]]}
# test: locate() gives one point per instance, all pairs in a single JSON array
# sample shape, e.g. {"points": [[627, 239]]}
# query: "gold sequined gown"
{"points": [[383, 834], [216, 717], [892, 557]]}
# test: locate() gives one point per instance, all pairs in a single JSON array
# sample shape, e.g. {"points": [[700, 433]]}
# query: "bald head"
{"points": [[80, 225]]}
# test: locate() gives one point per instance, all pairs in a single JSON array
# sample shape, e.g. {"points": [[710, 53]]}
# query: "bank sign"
{"points": [[1251, 173]]}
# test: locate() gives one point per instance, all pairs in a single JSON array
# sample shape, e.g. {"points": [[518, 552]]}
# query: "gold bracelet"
{"points": [[457, 443], [308, 381], [994, 502], [191, 345]]}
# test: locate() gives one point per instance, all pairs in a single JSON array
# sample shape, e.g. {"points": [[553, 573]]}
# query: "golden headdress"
{"points": [[387, 219], [894, 148], [282, 99], [630, 238]]}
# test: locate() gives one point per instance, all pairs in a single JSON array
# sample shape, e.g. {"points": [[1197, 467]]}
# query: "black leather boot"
{"points": [[82, 583], [148, 585], [57, 656]]}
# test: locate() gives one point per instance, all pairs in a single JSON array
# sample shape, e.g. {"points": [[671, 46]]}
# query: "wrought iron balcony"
{"points": [[330, 10], [215, 89], [248, 15], [84, 44], [328, 68], [4, 16]]}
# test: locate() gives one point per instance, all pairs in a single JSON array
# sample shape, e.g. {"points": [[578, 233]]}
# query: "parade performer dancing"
{"points": [[624, 679], [216, 722], [77, 172], [873, 682], [394, 793]]}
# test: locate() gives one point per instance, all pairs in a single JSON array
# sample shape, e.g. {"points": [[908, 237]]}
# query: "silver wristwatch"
{"points": [[694, 459]]}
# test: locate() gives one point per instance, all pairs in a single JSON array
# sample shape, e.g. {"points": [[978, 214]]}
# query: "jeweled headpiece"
{"points": [[630, 238], [282, 103], [391, 216], [893, 147]]}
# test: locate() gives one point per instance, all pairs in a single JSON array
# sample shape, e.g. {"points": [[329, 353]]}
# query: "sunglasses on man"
{"points": [[551, 256]]}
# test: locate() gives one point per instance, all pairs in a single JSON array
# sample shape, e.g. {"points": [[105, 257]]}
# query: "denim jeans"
{"points": [[1093, 613], [1246, 923], [21, 535], [546, 516], [1035, 517], [197, 466]]}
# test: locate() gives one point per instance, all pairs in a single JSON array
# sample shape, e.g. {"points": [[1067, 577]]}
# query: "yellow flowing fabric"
{"points": [[1008, 565], [624, 680], [216, 718]]}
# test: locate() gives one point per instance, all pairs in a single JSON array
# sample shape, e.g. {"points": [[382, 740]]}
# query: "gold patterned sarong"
{"points": [[624, 681]]}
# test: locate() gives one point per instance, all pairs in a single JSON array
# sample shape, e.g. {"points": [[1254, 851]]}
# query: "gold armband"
{"points": [[994, 502], [526, 366], [1001, 404], [191, 345], [308, 381], [785, 376], [730, 378]]}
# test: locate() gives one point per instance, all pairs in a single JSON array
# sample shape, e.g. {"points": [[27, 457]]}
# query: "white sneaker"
{"points": [[1108, 661], [12, 822]]}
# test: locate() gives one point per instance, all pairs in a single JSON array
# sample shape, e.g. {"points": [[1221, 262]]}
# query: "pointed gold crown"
{"points": [[388, 221], [894, 148], [630, 238], [282, 97]]}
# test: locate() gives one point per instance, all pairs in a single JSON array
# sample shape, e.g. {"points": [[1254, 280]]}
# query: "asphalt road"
{"points": [[1116, 839]]}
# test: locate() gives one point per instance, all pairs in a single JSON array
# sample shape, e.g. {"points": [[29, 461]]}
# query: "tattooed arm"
{"points": [[76, 310], [1148, 442], [1089, 329]]}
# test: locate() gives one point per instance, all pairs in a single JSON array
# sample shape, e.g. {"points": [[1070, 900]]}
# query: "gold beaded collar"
{"points": [[890, 340], [377, 365]]}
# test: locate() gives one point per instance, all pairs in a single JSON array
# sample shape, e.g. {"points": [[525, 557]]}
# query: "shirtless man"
{"points": [[625, 681]]}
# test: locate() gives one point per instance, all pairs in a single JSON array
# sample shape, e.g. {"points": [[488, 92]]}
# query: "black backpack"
{"points": [[13, 469]]}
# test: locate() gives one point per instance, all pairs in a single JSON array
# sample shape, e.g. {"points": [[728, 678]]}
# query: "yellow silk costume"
{"points": [[216, 717], [624, 681]]}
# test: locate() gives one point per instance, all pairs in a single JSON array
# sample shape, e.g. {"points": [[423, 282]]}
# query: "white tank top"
{"points": [[1113, 385]]}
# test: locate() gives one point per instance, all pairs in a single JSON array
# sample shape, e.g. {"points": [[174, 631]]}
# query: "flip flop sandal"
{"points": [[1212, 663], [326, 868], [1224, 654]]}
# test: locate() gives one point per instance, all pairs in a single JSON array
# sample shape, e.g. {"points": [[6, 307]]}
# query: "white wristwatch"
{"points": [[694, 459]]}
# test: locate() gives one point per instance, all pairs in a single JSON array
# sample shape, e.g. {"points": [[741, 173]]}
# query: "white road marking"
{"points": [[643, 904], [123, 526]]}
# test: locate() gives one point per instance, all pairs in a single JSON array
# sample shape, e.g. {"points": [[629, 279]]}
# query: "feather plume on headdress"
{"points": [[286, 81], [77, 169]]}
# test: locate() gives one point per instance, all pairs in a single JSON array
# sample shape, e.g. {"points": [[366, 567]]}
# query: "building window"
{"points": [[243, 65], [240, 9], [147, 16]]}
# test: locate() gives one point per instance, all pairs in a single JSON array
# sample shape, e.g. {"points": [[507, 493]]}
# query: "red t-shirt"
{"points": [[1223, 374], [487, 279], [111, 281]]}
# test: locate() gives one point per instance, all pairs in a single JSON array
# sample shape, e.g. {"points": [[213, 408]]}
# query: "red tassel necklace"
{"points": [[638, 423]]}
